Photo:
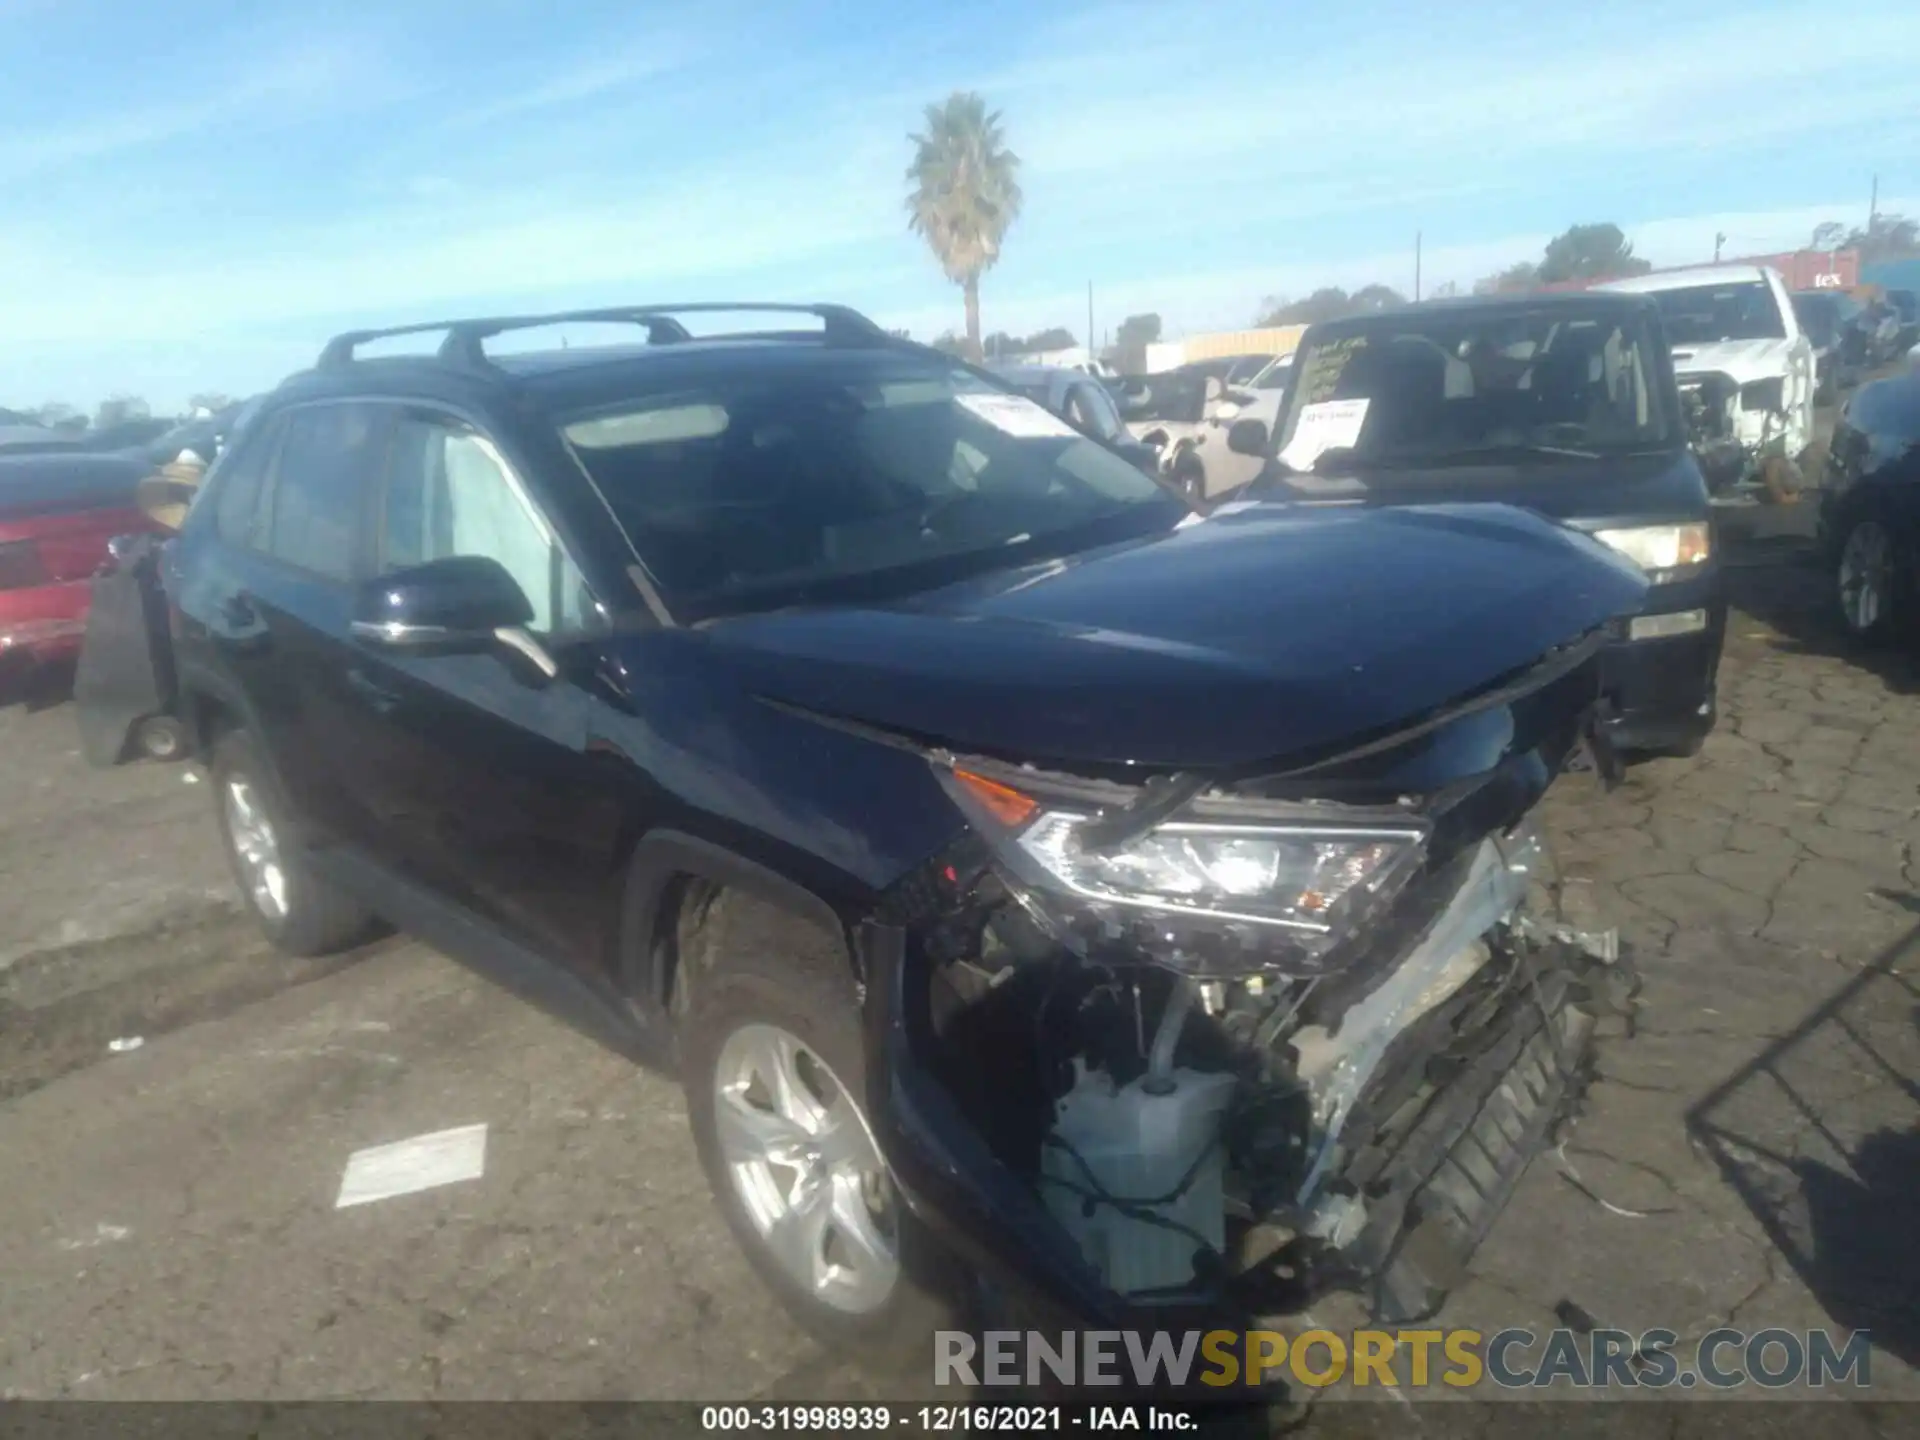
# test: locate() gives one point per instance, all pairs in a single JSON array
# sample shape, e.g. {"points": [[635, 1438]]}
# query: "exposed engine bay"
{"points": [[1738, 434], [1253, 1048]]}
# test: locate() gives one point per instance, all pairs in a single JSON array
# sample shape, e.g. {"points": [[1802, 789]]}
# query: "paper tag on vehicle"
{"points": [[1325, 426], [1018, 416]]}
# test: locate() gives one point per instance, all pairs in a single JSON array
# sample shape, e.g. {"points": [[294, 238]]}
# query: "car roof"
{"points": [[580, 377], [1572, 302], [462, 369], [1660, 280], [1033, 374]]}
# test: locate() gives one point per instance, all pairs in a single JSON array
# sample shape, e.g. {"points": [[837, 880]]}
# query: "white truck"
{"points": [[1185, 413], [1746, 373]]}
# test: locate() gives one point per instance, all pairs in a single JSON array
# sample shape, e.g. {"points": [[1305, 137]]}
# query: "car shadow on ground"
{"points": [[1819, 1135], [1783, 582]]}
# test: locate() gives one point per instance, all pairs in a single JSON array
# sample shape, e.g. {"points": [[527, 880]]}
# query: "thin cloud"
{"points": [[276, 89]]}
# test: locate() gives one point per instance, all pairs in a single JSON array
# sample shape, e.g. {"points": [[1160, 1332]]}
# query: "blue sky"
{"points": [[197, 193]]}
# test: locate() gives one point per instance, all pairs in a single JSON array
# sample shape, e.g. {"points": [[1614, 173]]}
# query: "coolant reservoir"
{"points": [[1137, 1147]]}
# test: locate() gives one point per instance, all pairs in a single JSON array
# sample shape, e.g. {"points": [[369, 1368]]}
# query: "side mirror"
{"points": [[460, 604], [1247, 437], [1214, 389]]}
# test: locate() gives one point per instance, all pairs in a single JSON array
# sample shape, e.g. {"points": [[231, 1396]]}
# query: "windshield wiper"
{"points": [[1476, 452]]}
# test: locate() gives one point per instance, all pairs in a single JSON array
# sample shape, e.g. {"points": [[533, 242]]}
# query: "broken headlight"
{"points": [[1210, 895]]}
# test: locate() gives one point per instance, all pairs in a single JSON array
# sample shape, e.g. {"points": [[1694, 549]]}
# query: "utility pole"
{"points": [[1718, 241], [1416, 267], [1873, 207], [1091, 356]]}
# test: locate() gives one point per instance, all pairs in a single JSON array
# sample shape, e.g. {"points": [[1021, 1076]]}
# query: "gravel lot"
{"points": [[169, 1228]]}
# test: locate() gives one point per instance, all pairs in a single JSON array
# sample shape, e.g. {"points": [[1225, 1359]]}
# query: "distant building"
{"points": [[1218, 345]]}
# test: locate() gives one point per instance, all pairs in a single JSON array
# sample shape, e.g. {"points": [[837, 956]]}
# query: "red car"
{"points": [[58, 510]]}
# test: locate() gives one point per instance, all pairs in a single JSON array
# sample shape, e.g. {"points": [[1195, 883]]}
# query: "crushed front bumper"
{"points": [[1438, 1160]]}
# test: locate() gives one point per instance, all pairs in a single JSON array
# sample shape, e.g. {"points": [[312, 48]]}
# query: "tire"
{"points": [[299, 912], [1873, 583], [763, 974], [160, 737]]}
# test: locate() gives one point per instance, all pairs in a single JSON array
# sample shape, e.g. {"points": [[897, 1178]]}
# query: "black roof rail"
{"points": [[841, 325]]}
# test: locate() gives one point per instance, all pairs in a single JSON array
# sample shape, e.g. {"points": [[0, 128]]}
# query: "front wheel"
{"points": [[774, 1070], [1870, 582], [300, 912]]}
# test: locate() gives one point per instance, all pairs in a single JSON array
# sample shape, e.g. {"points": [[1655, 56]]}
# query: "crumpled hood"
{"points": [[1270, 632], [1743, 360]]}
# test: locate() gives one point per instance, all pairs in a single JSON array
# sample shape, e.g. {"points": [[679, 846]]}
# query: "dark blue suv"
{"points": [[1034, 882]]}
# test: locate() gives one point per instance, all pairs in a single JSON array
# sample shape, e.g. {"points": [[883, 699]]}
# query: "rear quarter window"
{"points": [[236, 486]]}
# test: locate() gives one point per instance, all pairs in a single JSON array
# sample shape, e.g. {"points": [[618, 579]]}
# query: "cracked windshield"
{"points": [[713, 717]]}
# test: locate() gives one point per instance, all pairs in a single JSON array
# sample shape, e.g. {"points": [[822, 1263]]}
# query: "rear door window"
{"points": [[237, 490], [325, 457]]}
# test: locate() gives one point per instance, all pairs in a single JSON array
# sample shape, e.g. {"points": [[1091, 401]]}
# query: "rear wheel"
{"points": [[160, 737], [774, 1069], [1870, 580], [301, 913]]}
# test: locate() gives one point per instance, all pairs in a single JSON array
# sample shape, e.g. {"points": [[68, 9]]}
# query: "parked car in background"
{"points": [[1830, 319], [1271, 376], [1034, 883], [1183, 413], [1083, 401], [1870, 507], [1746, 372], [58, 510], [1906, 304], [128, 435], [28, 439], [1881, 324], [1563, 403]]}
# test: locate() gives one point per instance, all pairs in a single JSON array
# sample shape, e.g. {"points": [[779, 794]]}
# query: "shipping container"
{"points": [[1812, 269], [1801, 269], [1219, 345]]}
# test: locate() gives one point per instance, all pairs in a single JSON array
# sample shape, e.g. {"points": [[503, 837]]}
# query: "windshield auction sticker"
{"points": [[1322, 427], [1018, 416]]}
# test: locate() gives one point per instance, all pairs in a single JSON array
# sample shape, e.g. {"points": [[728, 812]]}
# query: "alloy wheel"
{"points": [[1866, 576], [256, 848], [805, 1169]]}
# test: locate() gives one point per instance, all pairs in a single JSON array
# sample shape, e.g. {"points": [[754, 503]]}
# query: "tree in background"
{"points": [[1328, 303], [118, 409], [1445, 291], [1056, 337], [1885, 237], [1590, 252], [1521, 275], [950, 343], [964, 195], [1375, 297], [1829, 235], [1138, 331]]}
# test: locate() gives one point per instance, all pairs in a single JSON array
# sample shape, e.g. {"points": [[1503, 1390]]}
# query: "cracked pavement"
{"points": [[169, 1229]]}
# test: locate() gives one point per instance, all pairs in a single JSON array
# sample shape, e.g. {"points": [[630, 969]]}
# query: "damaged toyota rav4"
{"points": [[1051, 899]]}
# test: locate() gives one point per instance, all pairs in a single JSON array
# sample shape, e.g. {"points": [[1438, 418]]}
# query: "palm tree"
{"points": [[965, 194]]}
